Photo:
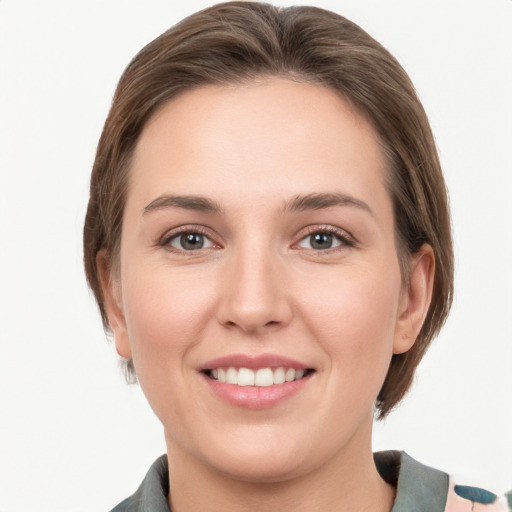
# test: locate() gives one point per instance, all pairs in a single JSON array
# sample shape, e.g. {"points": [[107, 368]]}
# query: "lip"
{"points": [[253, 362], [254, 397]]}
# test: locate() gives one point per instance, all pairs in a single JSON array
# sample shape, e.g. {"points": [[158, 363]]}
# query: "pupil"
{"points": [[321, 241], [192, 241]]}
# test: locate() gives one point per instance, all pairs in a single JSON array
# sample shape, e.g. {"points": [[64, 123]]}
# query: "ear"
{"points": [[111, 290], [415, 299]]}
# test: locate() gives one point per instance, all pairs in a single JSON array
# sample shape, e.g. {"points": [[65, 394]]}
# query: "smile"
{"points": [[262, 377], [255, 382]]}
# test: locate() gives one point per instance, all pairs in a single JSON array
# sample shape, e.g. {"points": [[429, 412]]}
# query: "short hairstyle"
{"points": [[237, 42]]}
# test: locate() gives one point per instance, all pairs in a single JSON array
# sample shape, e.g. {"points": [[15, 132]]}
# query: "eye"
{"points": [[323, 240], [189, 241]]}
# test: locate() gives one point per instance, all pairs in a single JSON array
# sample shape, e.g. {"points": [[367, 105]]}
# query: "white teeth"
{"points": [[245, 377], [231, 376], [290, 375], [262, 378], [279, 376]]}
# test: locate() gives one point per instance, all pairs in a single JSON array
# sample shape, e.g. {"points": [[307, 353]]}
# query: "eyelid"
{"points": [[347, 239], [164, 241]]}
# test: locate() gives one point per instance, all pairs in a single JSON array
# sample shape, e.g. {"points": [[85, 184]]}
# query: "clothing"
{"points": [[419, 489]]}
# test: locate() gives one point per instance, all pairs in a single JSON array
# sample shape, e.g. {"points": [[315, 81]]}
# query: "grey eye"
{"points": [[321, 241], [190, 241]]}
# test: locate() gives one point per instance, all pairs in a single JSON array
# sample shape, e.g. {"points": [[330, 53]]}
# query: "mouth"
{"points": [[261, 377], [256, 382]]}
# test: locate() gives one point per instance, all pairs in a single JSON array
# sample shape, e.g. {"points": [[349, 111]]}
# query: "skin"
{"points": [[258, 286]]}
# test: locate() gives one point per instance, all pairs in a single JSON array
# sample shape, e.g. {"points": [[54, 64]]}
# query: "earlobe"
{"points": [[113, 305], [416, 299]]}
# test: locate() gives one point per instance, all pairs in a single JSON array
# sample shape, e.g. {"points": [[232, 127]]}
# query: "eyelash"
{"points": [[344, 239], [186, 230], [342, 236]]}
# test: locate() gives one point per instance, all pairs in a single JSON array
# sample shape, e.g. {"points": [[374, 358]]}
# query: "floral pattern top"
{"points": [[464, 498], [419, 489]]}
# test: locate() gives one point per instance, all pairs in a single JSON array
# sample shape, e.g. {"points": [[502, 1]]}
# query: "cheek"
{"points": [[354, 318], [164, 314]]}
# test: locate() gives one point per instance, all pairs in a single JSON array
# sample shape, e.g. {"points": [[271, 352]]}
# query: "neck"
{"points": [[349, 481]]}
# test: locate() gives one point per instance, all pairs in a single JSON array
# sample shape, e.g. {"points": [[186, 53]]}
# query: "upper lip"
{"points": [[253, 362]]}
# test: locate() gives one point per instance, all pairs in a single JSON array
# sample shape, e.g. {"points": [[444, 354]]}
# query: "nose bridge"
{"points": [[254, 298]]}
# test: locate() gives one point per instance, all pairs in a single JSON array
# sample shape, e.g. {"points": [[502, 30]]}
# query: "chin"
{"points": [[261, 457], [268, 468]]}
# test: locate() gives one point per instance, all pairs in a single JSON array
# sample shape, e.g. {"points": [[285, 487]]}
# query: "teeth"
{"points": [[262, 378], [279, 376], [290, 375], [245, 377], [231, 376]]}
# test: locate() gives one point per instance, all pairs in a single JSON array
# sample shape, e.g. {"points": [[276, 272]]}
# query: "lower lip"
{"points": [[256, 397]]}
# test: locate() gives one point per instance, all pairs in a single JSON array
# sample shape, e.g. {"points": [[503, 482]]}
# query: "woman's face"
{"points": [[258, 247]]}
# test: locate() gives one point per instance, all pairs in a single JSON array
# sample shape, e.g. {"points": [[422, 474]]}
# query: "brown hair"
{"points": [[240, 41]]}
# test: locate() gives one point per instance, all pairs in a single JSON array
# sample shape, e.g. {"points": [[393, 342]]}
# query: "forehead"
{"points": [[271, 137]]}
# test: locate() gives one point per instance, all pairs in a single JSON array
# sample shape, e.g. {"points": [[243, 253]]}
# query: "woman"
{"points": [[268, 240]]}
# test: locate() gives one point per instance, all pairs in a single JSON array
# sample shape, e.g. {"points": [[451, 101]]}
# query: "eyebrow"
{"points": [[300, 203], [197, 203], [319, 201]]}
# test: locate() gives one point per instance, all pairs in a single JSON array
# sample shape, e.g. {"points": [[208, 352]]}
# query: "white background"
{"points": [[73, 436]]}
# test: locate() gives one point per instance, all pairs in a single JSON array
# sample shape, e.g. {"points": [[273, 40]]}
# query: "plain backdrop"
{"points": [[73, 436]]}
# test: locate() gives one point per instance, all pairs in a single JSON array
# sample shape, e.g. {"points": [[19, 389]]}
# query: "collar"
{"points": [[419, 488]]}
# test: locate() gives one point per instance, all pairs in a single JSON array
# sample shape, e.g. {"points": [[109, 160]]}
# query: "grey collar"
{"points": [[419, 488]]}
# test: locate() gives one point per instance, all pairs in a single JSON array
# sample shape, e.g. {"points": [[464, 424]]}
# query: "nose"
{"points": [[254, 295]]}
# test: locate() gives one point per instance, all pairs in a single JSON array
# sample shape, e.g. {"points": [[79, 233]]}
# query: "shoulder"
{"points": [[425, 489], [152, 494]]}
